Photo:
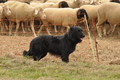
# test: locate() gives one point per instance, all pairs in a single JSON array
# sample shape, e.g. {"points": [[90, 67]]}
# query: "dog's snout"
{"points": [[83, 35]]}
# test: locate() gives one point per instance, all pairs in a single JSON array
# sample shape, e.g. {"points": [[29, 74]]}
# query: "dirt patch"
{"points": [[108, 49]]}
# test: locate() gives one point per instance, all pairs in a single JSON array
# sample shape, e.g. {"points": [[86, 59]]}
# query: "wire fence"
{"points": [[91, 49]]}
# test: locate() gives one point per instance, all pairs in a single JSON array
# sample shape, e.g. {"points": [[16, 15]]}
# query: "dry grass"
{"points": [[108, 49], [81, 66]]}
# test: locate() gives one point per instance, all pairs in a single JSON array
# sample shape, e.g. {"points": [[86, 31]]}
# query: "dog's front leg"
{"points": [[65, 58]]}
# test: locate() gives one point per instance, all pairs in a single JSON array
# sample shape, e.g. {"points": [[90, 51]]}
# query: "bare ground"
{"points": [[108, 49]]}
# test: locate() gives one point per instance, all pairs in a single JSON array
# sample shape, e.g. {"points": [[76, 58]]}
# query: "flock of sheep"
{"points": [[101, 14]]}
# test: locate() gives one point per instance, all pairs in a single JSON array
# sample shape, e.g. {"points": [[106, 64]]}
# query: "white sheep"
{"points": [[62, 16], [75, 3], [92, 14], [21, 0], [1, 11], [4, 11], [61, 4], [23, 12], [54, 1], [108, 12], [71, 3]]}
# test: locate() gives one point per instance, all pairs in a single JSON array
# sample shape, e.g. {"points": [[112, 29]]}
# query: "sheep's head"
{"points": [[81, 13], [6, 9], [40, 13], [1, 10], [63, 4]]}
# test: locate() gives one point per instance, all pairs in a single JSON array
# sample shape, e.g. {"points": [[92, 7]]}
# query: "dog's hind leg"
{"points": [[38, 57], [27, 53]]}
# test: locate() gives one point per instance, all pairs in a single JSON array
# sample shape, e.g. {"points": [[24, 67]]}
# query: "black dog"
{"points": [[57, 45]]}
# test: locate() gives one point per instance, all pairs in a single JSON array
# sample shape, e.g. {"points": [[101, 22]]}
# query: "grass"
{"points": [[25, 69]]}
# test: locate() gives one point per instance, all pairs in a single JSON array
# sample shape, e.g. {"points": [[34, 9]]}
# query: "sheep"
{"points": [[75, 3], [103, 1], [94, 1], [1, 10], [23, 12], [54, 1], [92, 14], [38, 1], [62, 16], [72, 4], [21, 0], [109, 12], [4, 11], [61, 4], [89, 2]]}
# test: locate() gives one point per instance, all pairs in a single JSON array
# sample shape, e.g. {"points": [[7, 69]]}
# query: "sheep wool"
{"points": [[109, 12], [62, 16], [24, 12]]}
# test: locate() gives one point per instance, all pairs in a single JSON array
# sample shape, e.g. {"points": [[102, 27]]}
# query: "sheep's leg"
{"points": [[91, 2], [99, 30], [6, 27], [17, 27], [99, 26], [1, 27], [119, 31], [10, 28], [61, 28], [104, 31], [27, 25], [68, 27], [48, 30], [23, 27], [32, 27], [110, 30], [40, 29], [55, 28], [114, 28]]}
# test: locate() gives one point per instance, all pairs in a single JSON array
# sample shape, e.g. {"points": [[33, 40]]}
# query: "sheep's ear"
{"points": [[36, 11]]}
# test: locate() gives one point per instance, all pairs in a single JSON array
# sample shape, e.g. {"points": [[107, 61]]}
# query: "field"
{"points": [[83, 63]]}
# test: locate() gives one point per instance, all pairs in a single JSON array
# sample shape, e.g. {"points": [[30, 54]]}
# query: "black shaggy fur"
{"points": [[57, 45]]}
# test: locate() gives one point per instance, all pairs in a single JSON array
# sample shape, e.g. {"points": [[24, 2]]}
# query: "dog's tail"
{"points": [[26, 53]]}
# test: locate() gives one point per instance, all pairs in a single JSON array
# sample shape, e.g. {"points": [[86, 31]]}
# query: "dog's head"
{"points": [[76, 34]]}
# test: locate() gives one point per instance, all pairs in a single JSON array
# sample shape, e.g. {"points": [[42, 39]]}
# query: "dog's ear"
{"points": [[71, 28], [70, 33]]}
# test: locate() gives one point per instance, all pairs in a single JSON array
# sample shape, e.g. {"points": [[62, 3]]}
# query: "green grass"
{"points": [[25, 69]]}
